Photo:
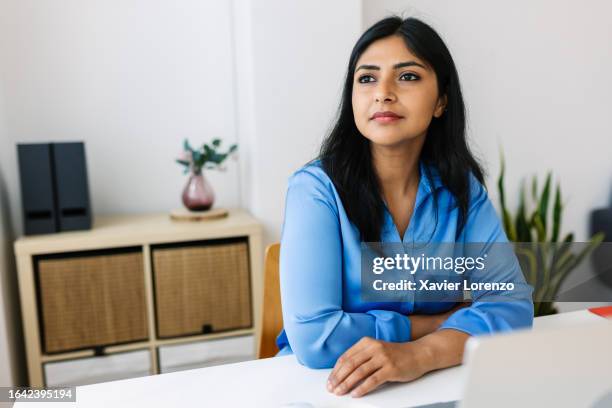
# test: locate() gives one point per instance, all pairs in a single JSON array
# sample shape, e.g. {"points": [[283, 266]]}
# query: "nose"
{"points": [[384, 93]]}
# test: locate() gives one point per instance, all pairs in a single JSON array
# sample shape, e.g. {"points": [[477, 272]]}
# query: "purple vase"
{"points": [[198, 194]]}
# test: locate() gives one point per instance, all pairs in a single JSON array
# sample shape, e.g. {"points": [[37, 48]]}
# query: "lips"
{"points": [[386, 116]]}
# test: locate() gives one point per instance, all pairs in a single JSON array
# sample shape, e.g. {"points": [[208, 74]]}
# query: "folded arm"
{"points": [[370, 363], [317, 327]]}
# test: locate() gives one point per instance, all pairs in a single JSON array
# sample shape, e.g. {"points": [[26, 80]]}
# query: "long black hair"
{"points": [[345, 154]]}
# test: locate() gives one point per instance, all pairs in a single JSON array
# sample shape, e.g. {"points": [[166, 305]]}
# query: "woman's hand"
{"points": [[375, 362], [370, 363]]}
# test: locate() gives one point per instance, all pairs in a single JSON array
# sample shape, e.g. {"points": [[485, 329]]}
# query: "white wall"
{"points": [[130, 78], [291, 59], [133, 78], [536, 79]]}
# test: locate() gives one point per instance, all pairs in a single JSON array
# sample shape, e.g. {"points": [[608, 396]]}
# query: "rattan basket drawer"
{"points": [[93, 300], [202, 288]]}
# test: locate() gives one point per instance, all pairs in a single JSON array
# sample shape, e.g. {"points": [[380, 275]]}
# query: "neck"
{"points": [[397, 167]]}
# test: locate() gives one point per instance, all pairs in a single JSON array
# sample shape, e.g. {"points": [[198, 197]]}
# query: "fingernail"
{"points": [[329, 385]]}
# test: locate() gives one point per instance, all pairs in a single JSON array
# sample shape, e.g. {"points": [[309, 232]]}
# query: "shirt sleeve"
{"points": [[500, 311], [318, 329]]}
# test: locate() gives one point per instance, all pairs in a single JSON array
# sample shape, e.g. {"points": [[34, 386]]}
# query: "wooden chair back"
{"points": [[272, 318]]}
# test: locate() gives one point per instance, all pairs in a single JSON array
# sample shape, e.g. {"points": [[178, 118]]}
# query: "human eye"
{"points": [[365, 79], [409, 76]]}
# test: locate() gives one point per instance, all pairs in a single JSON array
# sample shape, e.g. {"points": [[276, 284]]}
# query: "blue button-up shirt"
{"points": [[320, 269]]}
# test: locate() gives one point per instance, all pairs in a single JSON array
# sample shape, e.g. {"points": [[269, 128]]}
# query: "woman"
{"points": [[395, 168]]}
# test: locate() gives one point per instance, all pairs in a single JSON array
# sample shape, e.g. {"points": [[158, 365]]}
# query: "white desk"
{"points": [[276, 381]]}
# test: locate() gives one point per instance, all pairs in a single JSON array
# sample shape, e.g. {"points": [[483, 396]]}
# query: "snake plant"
{"points": [[545, 259]]}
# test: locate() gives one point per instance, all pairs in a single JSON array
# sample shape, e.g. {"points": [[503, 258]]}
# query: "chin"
{"points": [[389, 139]]}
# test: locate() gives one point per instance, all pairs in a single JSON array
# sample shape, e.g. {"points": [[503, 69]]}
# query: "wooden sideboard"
{"points": [[138, 282]]}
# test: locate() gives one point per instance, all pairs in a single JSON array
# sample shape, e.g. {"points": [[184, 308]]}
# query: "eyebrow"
{"points": [[396, 66]]}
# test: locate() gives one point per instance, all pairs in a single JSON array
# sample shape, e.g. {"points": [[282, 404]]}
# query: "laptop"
{"points": [[563, 367]]}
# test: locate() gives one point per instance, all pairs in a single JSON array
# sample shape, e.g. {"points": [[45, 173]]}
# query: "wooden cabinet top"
{"points": [[112, 231]]}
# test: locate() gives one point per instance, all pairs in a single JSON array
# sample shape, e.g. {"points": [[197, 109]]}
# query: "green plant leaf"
{"points": [[523, 232], [500, 183], [534, 188], [197, 158], [544, 198], [545, 269], [207, 156], [528, 262], [557, 212], [508, 226], [539, 227], [563, 258], [209, 153], [562, 250], [506, 219], [187, 146]]}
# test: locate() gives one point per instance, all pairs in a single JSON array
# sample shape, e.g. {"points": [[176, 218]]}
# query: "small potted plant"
{"points": [[546, 258], [198, 195]]}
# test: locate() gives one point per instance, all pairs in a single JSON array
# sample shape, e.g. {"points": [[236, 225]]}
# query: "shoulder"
{"points": [[312, 175], [312, 182]]}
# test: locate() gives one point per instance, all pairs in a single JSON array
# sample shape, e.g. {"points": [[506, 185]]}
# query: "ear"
{"points": [[440, 106]]}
